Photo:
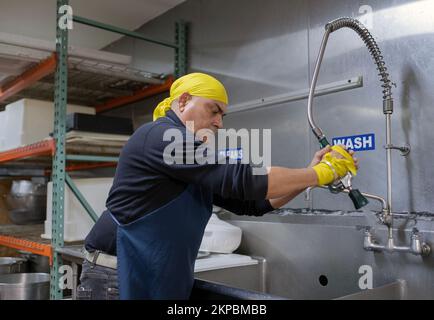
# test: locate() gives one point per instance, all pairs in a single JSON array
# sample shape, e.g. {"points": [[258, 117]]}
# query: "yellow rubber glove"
{"points": [[330, 168]]}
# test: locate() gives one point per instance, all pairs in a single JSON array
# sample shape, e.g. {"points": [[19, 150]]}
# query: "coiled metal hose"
{"points": [[373, 48]]}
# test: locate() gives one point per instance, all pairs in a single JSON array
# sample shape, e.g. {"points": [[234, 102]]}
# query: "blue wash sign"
{"points": [[357, 143]]}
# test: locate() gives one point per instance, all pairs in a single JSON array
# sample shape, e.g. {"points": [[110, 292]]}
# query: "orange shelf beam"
{"points": [[78, 167], [45, 147], [29, 77], [26, 245], [85, 166], [136, 96]]}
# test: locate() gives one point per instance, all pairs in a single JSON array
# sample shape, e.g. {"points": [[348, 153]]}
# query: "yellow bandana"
{"points": [[196, 84]]}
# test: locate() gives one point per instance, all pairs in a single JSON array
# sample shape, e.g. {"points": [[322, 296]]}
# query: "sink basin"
{"points": [[250, 283], [394, 291]]}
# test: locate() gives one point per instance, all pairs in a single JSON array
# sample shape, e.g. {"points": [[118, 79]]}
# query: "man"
{"points": [[145, 245]]}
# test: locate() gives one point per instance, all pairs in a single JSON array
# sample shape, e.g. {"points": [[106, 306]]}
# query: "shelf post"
{"points": [[181, 60], [58, 171]]}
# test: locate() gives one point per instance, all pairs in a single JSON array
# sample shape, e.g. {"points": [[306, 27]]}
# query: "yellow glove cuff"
{"points": [[324, 173]]}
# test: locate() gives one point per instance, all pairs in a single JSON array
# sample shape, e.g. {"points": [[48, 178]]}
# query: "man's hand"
{"points": [[356, 161], [320, 154], [333, 165]]}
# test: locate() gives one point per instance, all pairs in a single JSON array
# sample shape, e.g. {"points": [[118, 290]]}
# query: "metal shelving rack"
{"points": [[56, 149]]}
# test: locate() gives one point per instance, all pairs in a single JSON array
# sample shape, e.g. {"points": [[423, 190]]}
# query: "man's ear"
{"points": [[184, 98]]}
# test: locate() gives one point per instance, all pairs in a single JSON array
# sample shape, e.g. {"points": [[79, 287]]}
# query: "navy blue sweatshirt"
{"points": [[144, 182]]}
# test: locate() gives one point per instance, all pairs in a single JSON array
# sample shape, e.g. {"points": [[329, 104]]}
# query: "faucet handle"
{"points": [[323, 142], [417, 246]]}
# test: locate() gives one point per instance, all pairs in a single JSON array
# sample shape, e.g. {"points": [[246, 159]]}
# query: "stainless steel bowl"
{"points": [[25, 286], [27, 202], [35, 262], [12, 265]]}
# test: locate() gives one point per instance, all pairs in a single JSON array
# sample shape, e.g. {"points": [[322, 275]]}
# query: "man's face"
{"points": [[206, 113]]}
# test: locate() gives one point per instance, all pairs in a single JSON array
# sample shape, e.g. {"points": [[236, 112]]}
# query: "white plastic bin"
{"points": [[220, 236], [77, 222], [28, 121]]}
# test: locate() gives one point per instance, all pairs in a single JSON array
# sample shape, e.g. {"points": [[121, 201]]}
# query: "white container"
{"points": [[220, 236], [28, 121], [77, 222]]}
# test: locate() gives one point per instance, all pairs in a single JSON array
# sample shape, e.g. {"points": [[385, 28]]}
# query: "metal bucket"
{"points": [[12, 265], [36, 263], [25, 286], [27, 202]]}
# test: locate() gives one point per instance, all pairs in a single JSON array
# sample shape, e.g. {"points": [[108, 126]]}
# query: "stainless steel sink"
{"points": [[250, 283], [394, 291], [320, 255]]}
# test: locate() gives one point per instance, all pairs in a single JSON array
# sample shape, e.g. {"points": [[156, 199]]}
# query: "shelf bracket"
{"points": [[80, 197]]}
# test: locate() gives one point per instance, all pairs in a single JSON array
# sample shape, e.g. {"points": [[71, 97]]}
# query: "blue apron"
{"points": [[156, 253]]}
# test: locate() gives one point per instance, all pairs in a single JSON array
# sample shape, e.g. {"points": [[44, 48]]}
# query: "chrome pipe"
{"points": [[316, 130], [389, 166]]}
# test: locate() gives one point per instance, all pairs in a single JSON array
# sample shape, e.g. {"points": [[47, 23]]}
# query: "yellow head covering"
{"points": [[196, 84]]}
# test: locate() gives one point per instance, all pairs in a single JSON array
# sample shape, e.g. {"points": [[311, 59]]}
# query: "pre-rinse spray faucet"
{"points": [[345, 184]]}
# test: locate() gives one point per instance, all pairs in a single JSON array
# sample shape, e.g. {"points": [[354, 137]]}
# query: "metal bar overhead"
{"points": [[122, 31]]}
